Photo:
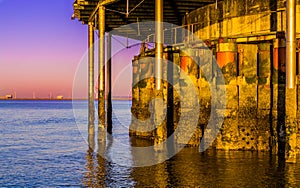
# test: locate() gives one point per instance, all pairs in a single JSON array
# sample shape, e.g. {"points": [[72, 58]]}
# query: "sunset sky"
{"points": [[41, 48]]}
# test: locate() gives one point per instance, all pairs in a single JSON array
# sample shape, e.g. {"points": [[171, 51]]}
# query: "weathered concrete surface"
{"points": [[239, 18], [259, 113]]}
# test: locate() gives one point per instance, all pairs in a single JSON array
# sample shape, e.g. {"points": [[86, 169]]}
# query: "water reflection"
{"points": [[191, 168]]}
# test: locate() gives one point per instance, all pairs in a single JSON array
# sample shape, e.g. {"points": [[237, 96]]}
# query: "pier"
{"points": [[248, 49]]}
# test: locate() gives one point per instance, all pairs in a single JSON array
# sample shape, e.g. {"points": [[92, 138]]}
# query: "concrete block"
{"points": [[247, 96], [264, 97]]}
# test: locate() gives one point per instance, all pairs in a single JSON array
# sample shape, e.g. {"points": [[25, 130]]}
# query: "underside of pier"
{"points": [[248, 49]]}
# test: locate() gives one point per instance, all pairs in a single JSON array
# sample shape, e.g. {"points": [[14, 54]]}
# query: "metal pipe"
{"points": [[91, 109], [100, 3], [109, 102], [127, 8], [159, 38], [298, 45], [92, 16], [290, 43], [170, 94], [101, 78]]}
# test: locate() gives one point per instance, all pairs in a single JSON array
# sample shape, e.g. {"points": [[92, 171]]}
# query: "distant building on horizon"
{"points": [[8, 96], [59, 97]]}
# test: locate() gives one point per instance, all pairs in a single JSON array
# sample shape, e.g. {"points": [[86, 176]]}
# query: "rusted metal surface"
{"points": [[226, 53], [279, 59]]}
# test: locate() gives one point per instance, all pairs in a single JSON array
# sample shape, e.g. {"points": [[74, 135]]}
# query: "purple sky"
{"points": [[41, 47]]}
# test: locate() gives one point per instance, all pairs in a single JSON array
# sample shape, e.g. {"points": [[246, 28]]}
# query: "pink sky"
{"points": [[41, 47]]}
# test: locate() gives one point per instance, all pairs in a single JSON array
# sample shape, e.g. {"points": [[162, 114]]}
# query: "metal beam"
{"points": [[86, 10], [291, 43], [100, 4]]}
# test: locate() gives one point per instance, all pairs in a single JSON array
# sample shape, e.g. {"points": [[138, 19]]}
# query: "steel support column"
{"points": [[298, 45], [91, 108], [101, 78], [170, 94], [291, 93], [159, 106], [109, 103], [159, 39], [291, 43]]}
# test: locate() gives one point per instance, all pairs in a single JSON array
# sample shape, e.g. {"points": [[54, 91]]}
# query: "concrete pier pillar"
{"points": [[101, 78], [264, 67], [135, 80], [146, 84], [227, 54], [227, 59], [189, 98], [265, 94], [206, 60], [143, 70], [135, 96]]}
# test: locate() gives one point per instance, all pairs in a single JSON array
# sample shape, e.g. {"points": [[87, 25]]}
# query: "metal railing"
{"points": [[186, 34]]}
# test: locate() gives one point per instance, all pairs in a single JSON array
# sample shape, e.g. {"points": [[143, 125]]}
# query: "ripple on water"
{"points": [[40, 145]]}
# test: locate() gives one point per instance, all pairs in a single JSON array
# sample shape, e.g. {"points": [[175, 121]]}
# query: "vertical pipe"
{"points": [[127, 8], [101, 78], [273, 17], [291, 95], [91, 110], [291, 43], [208, 23], [109, 102], [271, 116], [281, 20], [170, 99], [158, 42], [298, 44]]}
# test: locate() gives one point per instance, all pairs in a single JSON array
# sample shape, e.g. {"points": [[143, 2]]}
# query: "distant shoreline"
{"points": [[44, 99]]}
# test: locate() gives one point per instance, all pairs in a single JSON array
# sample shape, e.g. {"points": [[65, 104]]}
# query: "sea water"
{"points": [[42, 144]]}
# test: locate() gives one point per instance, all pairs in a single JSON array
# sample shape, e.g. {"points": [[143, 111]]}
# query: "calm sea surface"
{"points": [[41, 145]]}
